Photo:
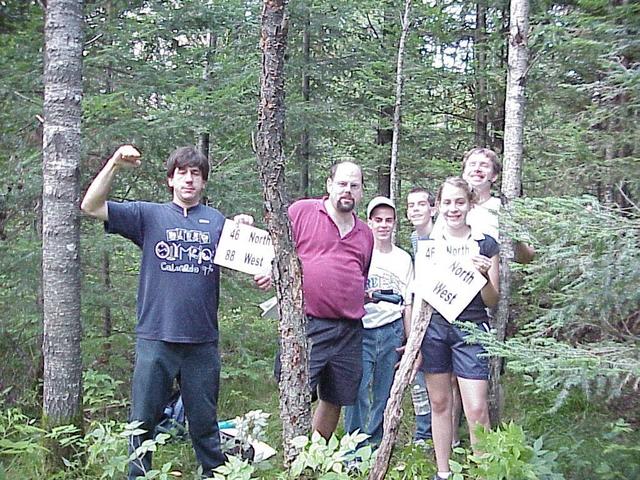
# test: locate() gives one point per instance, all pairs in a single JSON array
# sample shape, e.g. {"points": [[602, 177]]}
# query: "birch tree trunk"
{"points": [[397, 109], [511, 177], [393, 412], [295, 398], [62, 402]]}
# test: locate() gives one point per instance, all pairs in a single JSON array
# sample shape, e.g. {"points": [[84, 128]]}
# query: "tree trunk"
{"points": [[305, 149], [212, 40], [511, 177], [61, 232], [397, 109], [204, 137], [203, 143], [384, 136], [495, 134], [4, 215], [392, 412], [384, 131], [105, 272], [481, 74], [107, 325], [38, 376], [295, 398]]}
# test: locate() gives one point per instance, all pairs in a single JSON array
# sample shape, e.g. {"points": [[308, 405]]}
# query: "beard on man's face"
{"points": [[345, 205]]}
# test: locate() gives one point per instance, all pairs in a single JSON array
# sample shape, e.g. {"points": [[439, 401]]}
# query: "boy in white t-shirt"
{"points": [[388, 307]]}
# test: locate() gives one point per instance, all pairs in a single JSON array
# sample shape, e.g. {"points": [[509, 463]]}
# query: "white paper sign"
{"points": [[244, 248], [447, 282]]}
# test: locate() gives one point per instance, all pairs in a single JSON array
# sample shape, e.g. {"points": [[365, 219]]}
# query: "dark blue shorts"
{"points": [[335, 361], [445, 349]]}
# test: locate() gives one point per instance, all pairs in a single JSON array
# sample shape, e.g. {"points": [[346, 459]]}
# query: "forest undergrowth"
{"points": [[583, 438]]}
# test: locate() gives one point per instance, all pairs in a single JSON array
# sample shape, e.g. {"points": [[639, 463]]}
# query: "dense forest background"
{"points": [[160, 74]]}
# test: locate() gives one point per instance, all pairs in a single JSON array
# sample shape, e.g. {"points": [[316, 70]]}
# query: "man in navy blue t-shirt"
{"points": [[178, 293]]}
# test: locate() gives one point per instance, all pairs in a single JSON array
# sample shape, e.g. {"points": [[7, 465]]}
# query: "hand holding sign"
{"points": [[448, 283], [262, 281], [453, 285], [482, 264], [244, 248]]}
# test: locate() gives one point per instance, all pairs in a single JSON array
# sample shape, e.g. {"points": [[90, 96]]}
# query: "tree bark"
{"points": [[204, 137], [384, 130], [481, 74], [495, 134], [384, 136], [393, 412], [295, 398], [511, 177], [397, 109], [105, 271], [61, 232], [305, 148], [39, 368], [107, 324], [203, 143]]}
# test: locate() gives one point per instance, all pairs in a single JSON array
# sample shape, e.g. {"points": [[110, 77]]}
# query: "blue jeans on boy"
{"points": [[423, 422], [198, 367], [379, 357]]}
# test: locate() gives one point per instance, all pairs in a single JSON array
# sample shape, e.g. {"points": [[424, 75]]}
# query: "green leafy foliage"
{"points": [[99, 391], [505, 454], [17, 432], [160, 73], [580, 431], [578, 315], [583, 89], [412, 462], [333, 459], [234, 469]]}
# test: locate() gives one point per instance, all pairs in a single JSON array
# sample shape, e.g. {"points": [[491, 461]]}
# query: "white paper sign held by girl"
{"points": [[451, 285]]}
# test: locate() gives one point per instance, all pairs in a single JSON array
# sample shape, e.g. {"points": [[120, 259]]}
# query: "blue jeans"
{"points": [[197, 365], [423, 422], [379, 358]]}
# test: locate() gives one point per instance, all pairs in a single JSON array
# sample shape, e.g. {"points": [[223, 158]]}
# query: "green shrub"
{"points": [[100, 392], [331, 460], [506, 455]]}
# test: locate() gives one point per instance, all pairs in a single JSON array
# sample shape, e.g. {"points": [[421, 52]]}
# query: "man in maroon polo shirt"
{"points": [[335, 248]]}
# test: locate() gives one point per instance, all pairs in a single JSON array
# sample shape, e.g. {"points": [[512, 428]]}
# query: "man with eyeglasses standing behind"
{"points": [[335, 250]]}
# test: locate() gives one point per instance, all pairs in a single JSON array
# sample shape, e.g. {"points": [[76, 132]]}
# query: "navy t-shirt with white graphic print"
{"points": [[179, 285]]}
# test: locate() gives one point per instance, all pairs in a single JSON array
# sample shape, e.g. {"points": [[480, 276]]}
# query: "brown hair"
{"points": [[457, 182], [334, 169], [422, 190], [487, 153], [188, 156]]}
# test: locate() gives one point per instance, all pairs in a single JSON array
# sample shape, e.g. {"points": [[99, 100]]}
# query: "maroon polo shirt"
{"points": [[334, 269]]}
